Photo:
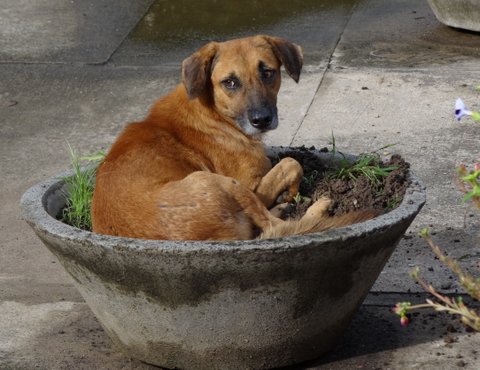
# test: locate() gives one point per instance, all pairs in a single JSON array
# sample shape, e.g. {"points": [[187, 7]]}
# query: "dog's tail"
{"points": [[313, 224]]}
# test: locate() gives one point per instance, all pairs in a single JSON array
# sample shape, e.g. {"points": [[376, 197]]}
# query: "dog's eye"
{"points": [[231, 83], [268, 74]]}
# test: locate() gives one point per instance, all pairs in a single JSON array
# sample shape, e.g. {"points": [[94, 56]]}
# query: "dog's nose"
{"points": [[260, 118]]}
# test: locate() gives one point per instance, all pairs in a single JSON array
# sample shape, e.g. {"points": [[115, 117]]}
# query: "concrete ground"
{"points": [[377, 73]]}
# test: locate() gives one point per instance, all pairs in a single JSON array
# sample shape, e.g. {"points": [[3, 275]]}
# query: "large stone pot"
{"points": [[222, 305], [463, 14]]}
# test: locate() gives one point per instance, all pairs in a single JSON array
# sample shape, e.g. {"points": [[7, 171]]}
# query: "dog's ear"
{"points": [[196, 70], [289, 54]]}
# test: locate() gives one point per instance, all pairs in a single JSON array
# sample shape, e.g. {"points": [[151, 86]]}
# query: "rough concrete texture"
{"points": [[463, 14], [377, 73], [223, 305], [60, 31]]}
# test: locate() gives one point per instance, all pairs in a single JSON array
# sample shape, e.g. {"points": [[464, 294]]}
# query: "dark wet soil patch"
{"points": [[349, 189]]}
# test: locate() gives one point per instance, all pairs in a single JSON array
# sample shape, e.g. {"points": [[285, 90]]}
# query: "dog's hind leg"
{"points": [[205, 206]]}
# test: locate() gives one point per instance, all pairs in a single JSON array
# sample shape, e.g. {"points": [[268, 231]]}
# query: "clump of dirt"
{"points": [[348, 193]]}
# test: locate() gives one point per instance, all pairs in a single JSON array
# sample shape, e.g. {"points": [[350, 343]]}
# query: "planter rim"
{"points": [[34, 213]]}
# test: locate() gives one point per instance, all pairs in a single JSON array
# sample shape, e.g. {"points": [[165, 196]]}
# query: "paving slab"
{"points": [[65, 31], [173, 28]]}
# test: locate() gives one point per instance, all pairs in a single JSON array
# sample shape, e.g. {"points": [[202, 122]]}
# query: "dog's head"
{"points": [[242, 78]]}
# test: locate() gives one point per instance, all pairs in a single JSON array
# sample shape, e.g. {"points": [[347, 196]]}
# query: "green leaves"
{"points": [[368, 165], [470, 183], [79, 190]]}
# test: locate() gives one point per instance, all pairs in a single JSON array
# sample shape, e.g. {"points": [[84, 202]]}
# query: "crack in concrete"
{"points": [[122, 41], [325, 70]]}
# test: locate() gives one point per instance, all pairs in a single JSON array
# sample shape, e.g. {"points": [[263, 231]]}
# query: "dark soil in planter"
{"points": [[347, 194]]}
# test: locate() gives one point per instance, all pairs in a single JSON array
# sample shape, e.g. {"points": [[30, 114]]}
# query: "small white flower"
{"points": [[460, 109]]}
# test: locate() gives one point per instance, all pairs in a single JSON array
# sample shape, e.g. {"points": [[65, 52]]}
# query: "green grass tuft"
{"points": [[79, 193], [368, 165]]}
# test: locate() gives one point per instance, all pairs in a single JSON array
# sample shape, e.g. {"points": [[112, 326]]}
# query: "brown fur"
{"points": [[195, 167]]}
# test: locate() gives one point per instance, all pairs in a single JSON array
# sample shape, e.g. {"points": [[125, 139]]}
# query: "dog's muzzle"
{"points": [[263, 118]]}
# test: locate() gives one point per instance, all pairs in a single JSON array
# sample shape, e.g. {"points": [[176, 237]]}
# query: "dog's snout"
{"points": [[260, 118]]}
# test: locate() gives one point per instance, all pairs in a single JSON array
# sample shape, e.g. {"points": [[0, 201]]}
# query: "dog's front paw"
{"points": [[292, 173]]}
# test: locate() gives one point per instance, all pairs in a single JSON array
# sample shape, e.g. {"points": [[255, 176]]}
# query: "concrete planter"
{"points": [[463, 14], [222, 305]]}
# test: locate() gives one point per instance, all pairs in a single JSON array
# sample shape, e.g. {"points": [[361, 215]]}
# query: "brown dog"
{"points": [[195, 167]]}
